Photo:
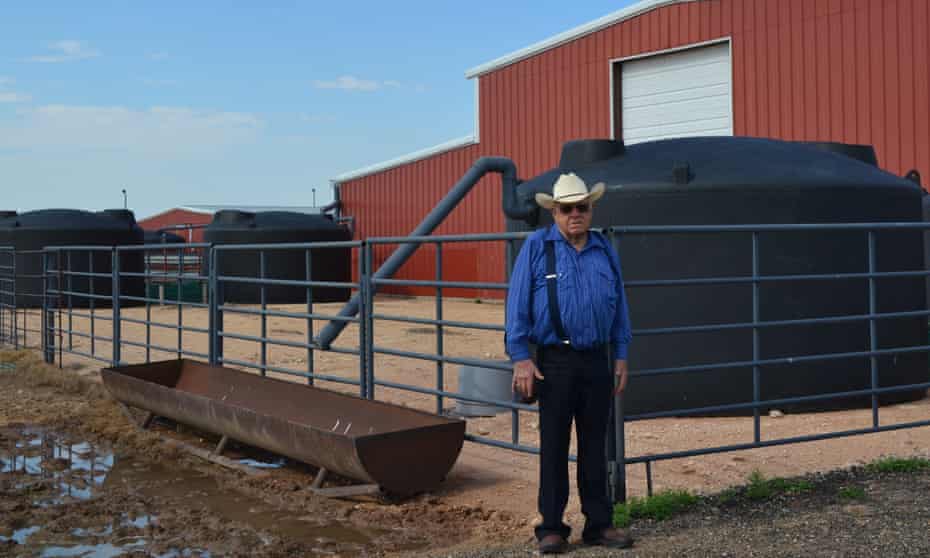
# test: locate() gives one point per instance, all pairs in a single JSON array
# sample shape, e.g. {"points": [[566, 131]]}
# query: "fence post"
{"points": [[616, 440], [873, 329], [216, 315], [15, 325], [363, 287], [370, 322], [756, 340], [48, 316], [440, 380], [115, 292]]}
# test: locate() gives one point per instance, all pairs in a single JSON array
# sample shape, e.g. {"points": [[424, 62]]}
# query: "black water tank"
{"points": [[29, 232], [6, 263], [271, 227], [925, 203], [720, 181]]}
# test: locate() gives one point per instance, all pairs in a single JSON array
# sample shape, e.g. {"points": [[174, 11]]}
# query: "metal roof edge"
{"points": [[194, 209], [408, 158], [165, 211], [570, 35]]}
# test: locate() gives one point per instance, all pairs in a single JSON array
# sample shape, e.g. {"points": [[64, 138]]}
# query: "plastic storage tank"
{"points": [[722, 181], [34, 230], [6, 265], [241, 227]]}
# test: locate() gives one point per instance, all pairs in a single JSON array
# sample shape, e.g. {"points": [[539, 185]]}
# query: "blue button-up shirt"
{"points": [[590, 290]]}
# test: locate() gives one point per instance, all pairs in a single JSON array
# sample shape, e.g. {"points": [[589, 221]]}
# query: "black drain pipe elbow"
{"points": [[513, 208]]}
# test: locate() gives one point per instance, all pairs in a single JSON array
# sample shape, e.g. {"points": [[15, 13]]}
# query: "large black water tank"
{"points": [[30, 232], [718, 181], [269, 227], [925, 203]]}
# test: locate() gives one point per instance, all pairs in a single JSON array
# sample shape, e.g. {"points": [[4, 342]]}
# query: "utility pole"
{"points": [[314, 196], [125, 205]]}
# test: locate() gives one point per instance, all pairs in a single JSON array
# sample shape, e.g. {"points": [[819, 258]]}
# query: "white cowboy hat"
{"points": [[569, 188]]}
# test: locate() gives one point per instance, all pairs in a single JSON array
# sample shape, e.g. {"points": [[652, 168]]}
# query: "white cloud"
{"points": [[65, 51], [14, 97], [154, 132], [352, 83], [8, 96]]}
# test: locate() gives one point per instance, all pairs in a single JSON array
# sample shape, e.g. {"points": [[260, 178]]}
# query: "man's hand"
{"points": [[621, 372], [524, 371]]}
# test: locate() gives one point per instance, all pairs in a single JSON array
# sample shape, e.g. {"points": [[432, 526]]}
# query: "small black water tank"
{"points": [[6, 262], [30, 232], [721, 181], [327, 264]]}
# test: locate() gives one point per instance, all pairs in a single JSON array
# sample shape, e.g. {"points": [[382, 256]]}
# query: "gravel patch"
{"points": [[890, 516]]}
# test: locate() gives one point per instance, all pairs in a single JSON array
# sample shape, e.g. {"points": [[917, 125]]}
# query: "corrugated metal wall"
{"points": [[854, 71], [393, 202]]}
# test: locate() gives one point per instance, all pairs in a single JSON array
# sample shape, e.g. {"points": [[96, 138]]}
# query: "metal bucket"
{"points": [[483, 383], [402, 450]]}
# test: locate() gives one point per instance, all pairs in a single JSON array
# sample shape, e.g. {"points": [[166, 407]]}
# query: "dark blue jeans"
{"points": [[578, 385]]}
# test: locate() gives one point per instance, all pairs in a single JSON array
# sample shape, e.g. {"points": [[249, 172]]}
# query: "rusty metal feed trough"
{"points": [[400, 450]]}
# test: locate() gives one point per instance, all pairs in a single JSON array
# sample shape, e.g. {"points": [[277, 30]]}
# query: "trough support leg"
{"points": [[127, 413], [319, 479], [217, 459], [146, 422], [218, 450], [348, 491]]}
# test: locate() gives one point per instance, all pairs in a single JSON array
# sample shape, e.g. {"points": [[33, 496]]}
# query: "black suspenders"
{"points": [[555, 313]]}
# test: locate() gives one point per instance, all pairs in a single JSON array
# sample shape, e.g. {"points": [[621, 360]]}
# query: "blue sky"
{"points": [[239, 103]]}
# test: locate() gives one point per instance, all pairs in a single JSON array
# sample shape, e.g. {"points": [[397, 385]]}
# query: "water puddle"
{"points": [[46, 470], [53, 469]]}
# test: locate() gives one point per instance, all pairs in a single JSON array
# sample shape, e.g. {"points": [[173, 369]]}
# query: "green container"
{"points": [[191, 291]]}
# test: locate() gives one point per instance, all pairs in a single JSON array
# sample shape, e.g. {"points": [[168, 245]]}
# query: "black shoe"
{"points": [[553, 544], [612, 538]]}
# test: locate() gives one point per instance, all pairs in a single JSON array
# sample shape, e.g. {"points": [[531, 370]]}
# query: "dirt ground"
{"points": [[496, 483]]}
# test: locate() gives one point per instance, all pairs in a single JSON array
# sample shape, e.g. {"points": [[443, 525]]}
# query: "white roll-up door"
{"points": [[680, 94]]}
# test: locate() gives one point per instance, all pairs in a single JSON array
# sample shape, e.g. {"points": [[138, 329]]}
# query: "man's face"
{"points": [[572, 219]]}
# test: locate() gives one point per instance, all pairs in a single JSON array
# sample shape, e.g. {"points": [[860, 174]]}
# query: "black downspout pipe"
{"points": [[330, 206], [513, 208]]}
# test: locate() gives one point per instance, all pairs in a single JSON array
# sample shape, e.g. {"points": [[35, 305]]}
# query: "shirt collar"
{"points": [[594, 240]]}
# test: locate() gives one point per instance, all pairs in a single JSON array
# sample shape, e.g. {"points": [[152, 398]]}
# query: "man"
{"points": [[571, 375]]}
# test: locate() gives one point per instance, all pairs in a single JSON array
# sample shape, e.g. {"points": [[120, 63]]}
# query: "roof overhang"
{"points": [[408, 158], [557, 40]]}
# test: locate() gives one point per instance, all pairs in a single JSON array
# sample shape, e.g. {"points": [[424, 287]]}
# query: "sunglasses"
{"points": [[567, 209]]}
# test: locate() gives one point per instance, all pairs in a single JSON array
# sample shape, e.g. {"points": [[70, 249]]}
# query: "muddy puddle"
{"points": [[61, 496]]}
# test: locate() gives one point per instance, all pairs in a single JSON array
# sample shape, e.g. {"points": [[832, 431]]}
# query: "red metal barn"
{"points": [[179, 217], [853, 71]]}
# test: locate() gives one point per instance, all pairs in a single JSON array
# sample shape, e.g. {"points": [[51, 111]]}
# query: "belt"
{"points": [[567, 348]]}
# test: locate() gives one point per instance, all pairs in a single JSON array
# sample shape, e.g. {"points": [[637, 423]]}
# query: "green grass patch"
{"points": [[728, 495], [761, 488], [898, 465], [659, 506], [852, 493]]}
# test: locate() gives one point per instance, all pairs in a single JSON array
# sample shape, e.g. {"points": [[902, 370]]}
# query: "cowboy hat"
{"points": [[571, 189]]}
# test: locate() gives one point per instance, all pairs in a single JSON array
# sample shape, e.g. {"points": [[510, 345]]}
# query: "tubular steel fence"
{"points": [[109, 316]]}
